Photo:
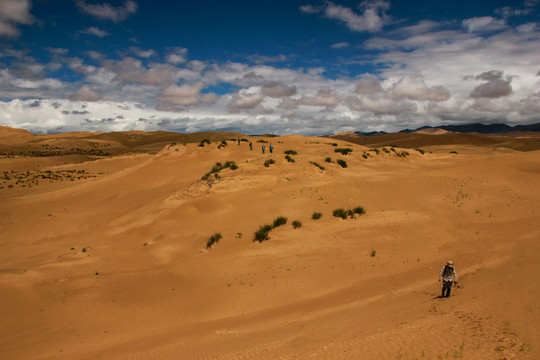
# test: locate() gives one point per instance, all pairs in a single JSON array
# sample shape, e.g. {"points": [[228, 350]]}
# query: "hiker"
{"points": [[238, 141], [446, 274], [271, 148], [250, 146], [263, 148]]}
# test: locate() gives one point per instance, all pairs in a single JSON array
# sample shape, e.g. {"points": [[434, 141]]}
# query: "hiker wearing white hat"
{"points": [[447, 272]]}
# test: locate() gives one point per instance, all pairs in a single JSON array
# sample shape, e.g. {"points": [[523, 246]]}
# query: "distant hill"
{"points": [[481, 128]]}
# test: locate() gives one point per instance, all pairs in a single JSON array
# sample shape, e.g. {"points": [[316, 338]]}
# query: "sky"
{"points": [[267, 66]]}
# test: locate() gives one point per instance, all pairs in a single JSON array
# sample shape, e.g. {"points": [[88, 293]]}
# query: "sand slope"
{"points": [[146, 287]]}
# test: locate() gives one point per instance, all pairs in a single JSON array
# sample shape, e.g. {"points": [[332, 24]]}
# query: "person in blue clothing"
{"points": [[263, 148], [447, 274], [271, 148]]}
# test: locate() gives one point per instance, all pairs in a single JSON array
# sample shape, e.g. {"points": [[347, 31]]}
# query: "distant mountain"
{"points": [[481, 128]]}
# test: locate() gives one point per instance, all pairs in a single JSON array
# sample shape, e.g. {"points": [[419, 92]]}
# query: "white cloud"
{"points": [[13, 13], [108, 12], [246, 99], [372, 18], [413, 87], [325, 97], [92, 30], [177, 56], [85, 93], [484, 23], [341, 45], [495, 85], [277, 90], [187, 95]]}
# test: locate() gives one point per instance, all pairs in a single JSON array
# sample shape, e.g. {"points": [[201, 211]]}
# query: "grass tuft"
{"points": [[317, 165], [316, 215], [213, 240], [262, 233], [343, 151], [279, 221], [296, 224], [342, 163], [268, 162]]}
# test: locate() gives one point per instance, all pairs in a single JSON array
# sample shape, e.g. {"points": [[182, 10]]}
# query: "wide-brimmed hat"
{"points": [[450, 263]]}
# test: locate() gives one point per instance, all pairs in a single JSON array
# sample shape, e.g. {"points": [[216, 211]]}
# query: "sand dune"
{"points": [[112, 263]]}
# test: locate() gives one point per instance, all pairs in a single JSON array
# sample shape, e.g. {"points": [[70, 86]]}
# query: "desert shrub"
{"points": [[222, 144], [376, 151], [317, 165], [386, 150], [333, 144], [402, 154], [289, 158], [342, 163], [296, 224], [453, 152], [365, 155], [279, 221], [218, 167], [342, 213], [205, 141], [268, 162], [291, 152], [373, 252], [421, 151], [316, 215], [328, 160], [344, 151], [262, 233], [213, 239], [262, 141]]}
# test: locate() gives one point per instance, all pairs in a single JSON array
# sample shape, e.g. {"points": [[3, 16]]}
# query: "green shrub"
{"points": [[218, 167], [268, 162], [291, 152], [328, 160], [296, 224], [342, 163], [373, 252], [453, 152], [421, 151], [213, 239], [262, 141], [317, 165], [344, 151], [316, 215], [262, 233], [289, 159], [402, 154], [376, 151], [279, 221], [205, 141], [334, 144], [386, 150], [342, 213]]}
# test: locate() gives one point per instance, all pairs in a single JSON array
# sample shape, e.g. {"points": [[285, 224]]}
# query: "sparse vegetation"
{"points": [[296, 224], [421, 151], [328, 160], [279, 221], [402, 154], [262, 233], [289, 158], [317, 165], [291, 152], [213, 239], [453, 152], [268, 162], [343, 151], [33, 178], [262, 141], [218, 167], [316, 215], [365, 155], [342, 213], [373, 252], [222, 144], [203, 142], [376, 151], [342, 163]]}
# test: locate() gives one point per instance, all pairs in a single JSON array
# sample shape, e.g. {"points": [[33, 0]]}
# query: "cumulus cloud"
{"points": [[92, 30], [177, 56], [368, 85], [325, 97], [495, 85], [86, 93], [372, 18], [380, 105], [186, 95], [246, 99], [106, 11], [413, 87], [484, 23], [277, 90], [13, 13]]}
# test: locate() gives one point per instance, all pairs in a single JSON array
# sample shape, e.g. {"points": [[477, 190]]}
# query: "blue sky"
{"points": [[286, 67]]}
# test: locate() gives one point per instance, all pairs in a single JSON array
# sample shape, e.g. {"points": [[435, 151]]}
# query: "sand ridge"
{"points": [[116, 266]]}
